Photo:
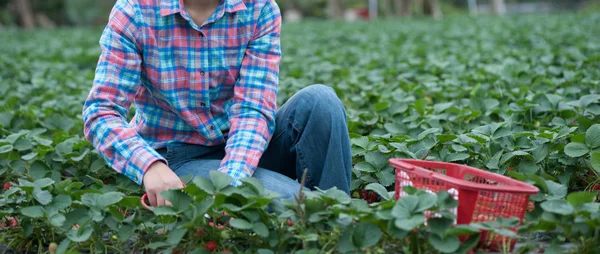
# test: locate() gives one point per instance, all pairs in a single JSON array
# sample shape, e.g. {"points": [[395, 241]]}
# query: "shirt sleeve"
{"points": [[252, 114], [116, 82]]}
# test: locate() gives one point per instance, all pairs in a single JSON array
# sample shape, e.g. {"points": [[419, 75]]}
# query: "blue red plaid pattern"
{"points": [[208, 84]]}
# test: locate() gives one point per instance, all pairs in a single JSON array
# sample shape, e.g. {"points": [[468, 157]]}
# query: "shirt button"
{"points": [[212, 127], [202, 72], [202, 104]]}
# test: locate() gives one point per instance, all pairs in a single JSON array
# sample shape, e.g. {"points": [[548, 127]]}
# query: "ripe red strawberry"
{"points": [[530, 206], [160, 233], [3, 225], [211, 224], [373, 196], [13, 222], [290, 223], [7, 186], [210, 246], [226, 251], [219, 226], [52, 247]]}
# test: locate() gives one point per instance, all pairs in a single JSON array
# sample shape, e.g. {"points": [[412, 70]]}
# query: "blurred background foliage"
{"points": [[52, 13]]}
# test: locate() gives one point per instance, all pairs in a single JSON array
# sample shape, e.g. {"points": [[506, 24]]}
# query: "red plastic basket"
{"points": [[482, 195]]}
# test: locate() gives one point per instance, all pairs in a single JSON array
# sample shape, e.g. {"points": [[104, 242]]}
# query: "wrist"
{"points": [[153, 168]]}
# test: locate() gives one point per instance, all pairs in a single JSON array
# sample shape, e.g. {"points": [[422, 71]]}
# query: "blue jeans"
{"points": [[311, 133]]}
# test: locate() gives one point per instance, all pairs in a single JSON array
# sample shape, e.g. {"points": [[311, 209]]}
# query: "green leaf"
{"points": [[445, 137], [261, 229], [575, 149], [364, 166], [386, 177], [460, 230], [255, 184], [126, 231], [163, 211], [23, 144], [493, 163], [97, 164], [592, 136], [204, 184], [220, 180], [61, 202], [101, 200], [201, 208], [556, 190], [42, 196], [63, 246], [528, 167], [377, 159], [579, 198], [29, 156], [264, 251], [379, 189], [180, 200], [557, 206], [366, 235], [506, 157], [240, 224], [33, 211], [595, 161], [469, 244], [448, 244], [408, 224], [176, 235], [426, 201], [338, 195], [5, 149], [445, 200], [57, 220], [81, 234], [382, 106], [66, 147], [6, 118], [130, 201], [439, 225], [457, 157], [405, 206], [156, 245], [43, 183]]}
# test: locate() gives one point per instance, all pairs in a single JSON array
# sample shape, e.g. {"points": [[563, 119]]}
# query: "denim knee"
{"points": [[324, 100]]}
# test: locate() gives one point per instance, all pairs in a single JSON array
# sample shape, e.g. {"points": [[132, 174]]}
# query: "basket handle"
{"points": [[145, 196], [528, 189]]}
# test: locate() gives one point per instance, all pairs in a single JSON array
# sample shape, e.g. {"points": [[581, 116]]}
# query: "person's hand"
{"points": [[160, 177]]}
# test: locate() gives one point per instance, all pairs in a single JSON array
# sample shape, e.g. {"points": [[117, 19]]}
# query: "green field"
{"points": [[517, 96]]}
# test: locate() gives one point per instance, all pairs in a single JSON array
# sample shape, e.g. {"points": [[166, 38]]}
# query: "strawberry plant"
{"points": [[517, 97]]}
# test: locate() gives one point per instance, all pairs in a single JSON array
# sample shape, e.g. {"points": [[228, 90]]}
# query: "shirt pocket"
{"points": [[226, 55]]}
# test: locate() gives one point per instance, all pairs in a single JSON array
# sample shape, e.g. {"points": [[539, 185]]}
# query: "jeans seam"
{"points": [[301, 159]]}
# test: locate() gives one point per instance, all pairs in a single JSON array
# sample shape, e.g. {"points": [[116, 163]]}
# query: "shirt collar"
{"points": [[168, 7]]}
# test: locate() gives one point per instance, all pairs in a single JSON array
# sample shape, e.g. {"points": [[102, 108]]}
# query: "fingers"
{"points": [[152, 198], [160, 200]]}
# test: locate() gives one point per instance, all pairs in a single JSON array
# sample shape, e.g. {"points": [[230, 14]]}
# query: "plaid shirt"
{"points": [[208, 84]]}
